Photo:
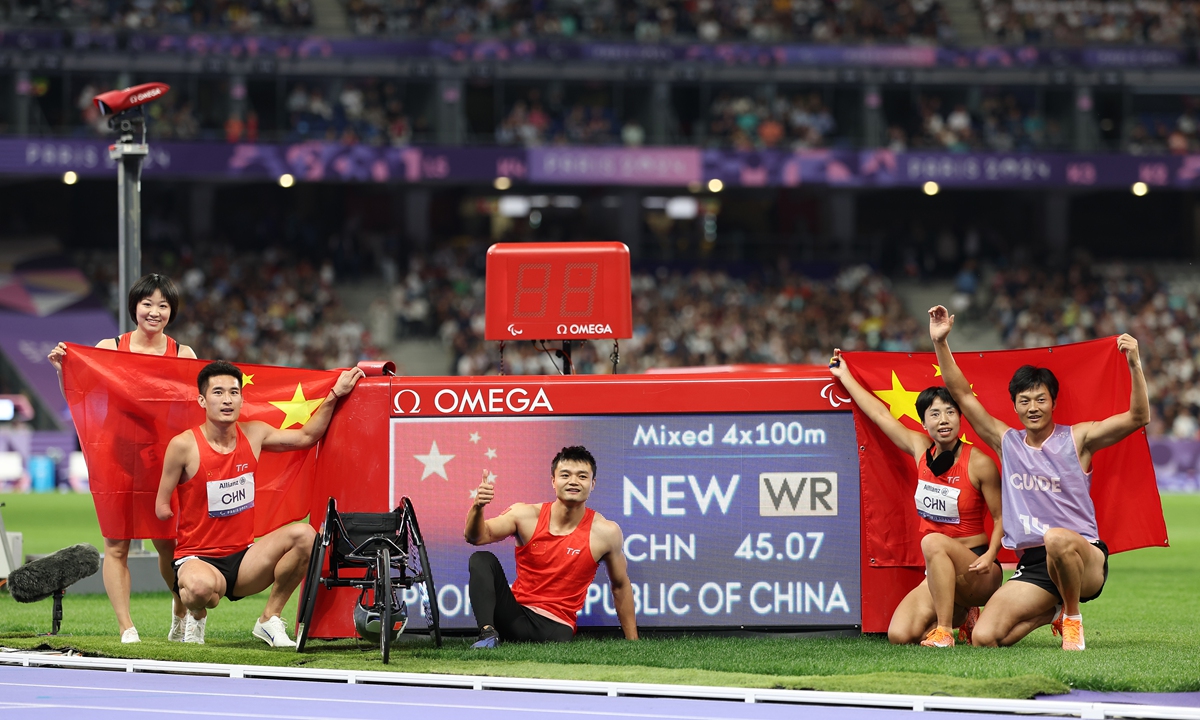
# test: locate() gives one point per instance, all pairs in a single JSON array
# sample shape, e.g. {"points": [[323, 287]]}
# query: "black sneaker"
{"points": [[488, 638]]}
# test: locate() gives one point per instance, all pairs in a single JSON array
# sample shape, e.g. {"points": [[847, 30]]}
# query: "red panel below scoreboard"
{"points": [[362, 454]]}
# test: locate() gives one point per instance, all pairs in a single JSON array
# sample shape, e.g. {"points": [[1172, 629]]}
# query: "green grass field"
{"points": [[1139, 636]]}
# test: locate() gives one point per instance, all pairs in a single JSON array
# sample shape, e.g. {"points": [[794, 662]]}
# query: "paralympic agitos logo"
{"points": [[448, 401]]}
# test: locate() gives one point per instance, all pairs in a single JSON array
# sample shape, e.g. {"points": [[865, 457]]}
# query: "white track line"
{"points": [[484, 707], [1085, 710]]}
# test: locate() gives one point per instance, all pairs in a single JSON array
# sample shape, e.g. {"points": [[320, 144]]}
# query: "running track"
{"points": [[54, 693]]}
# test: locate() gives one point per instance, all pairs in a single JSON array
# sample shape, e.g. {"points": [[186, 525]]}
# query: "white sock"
{"points": [[1077, 618]]}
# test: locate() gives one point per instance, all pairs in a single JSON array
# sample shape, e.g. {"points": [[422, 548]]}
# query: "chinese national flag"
{"points": [[1093, 382], [128, 406]]}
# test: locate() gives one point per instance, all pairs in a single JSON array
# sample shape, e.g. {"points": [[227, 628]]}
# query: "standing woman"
{"points": [[153, 302], [961, 570]]}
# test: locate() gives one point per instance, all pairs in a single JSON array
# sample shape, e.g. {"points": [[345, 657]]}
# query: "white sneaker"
{"points": [[273, 632], [193, 629], [178, 628], [130, 636]]}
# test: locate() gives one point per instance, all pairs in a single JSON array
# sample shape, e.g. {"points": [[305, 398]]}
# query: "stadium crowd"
{"points": [[680, 319], [165, 15], [1000, 123], [1072, 22], [365, 111], [253, 307], [1039, 307], [658, 20], [1176, 132], [531, 123], [742, 122]]}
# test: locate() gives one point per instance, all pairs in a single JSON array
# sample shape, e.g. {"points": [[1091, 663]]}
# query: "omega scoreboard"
{"points": [[737, 492], [558, 291]]}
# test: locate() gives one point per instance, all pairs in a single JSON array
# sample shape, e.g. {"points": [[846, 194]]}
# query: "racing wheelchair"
{"points": [[383, 556]]}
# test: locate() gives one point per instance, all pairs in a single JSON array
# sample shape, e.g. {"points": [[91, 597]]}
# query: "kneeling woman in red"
{"points": [[961, 570]]}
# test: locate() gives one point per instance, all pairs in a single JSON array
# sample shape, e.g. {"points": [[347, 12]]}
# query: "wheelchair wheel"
{"points": [[312, 581], [418, 568], [383, 601]]}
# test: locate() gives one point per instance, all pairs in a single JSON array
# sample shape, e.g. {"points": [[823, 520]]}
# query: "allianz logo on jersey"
{"points": [[449, 401], [785, 494]]}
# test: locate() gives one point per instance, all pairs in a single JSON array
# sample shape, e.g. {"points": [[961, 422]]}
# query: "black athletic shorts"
{"points": [[979, 550], [228, 566], [1031, 568]]}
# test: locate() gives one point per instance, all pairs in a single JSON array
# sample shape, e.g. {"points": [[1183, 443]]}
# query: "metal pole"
{"points": [[129, 156]]}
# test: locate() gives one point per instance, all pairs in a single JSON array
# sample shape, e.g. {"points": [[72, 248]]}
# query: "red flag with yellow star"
{"points": [[1093, 382], [127, 407]]}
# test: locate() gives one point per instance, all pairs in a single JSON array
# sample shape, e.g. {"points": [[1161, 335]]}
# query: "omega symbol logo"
{"points": [[416, 402]]}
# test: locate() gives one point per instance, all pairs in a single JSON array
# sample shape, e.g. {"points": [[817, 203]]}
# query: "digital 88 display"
{"points": [[729, 520]]}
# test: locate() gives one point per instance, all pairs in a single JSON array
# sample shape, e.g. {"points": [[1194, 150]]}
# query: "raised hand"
{"points": [[1129, 345], [837, 365], [486, 491], [940, 323], [59, 354]]}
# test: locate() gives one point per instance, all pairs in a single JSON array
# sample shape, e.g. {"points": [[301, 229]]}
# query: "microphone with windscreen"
{"points": [[50, 576]]}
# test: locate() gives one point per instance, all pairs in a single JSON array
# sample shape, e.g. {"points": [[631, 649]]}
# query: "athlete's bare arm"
{"points": [[609, 533], [265, 437], [518, 520], [1091, 437], [186, 352], [989, 429], [986, 478], [910, 441], [181, 462]]}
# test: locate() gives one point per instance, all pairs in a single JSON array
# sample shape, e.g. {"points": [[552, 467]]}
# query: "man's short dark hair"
{"points": [[145, 287], [575, 453], [929, 394], [217, 368], [1028, 377]]}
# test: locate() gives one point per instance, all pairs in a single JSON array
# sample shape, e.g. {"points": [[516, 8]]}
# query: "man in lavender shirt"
{"points": [[1045, 476]]}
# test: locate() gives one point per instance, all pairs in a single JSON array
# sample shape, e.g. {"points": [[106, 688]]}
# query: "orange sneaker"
{"points": [[1072, 634], [938, 637], [968, 626], [1056, 623]]}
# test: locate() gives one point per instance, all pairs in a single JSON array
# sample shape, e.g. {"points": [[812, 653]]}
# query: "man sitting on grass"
{"points": [[213, 467], [559, 545]]}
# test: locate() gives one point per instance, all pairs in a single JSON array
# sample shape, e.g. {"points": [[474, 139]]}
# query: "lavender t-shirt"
{"points": [[1043, 488]]}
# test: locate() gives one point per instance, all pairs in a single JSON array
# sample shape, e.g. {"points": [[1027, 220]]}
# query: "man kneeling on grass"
{"points": [[213, 468]]}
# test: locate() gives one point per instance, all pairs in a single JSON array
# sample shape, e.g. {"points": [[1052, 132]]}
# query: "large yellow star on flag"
{"points": [[298, 410], [900, 402]]}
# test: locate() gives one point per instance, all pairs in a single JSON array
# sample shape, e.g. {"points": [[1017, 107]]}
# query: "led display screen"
{"points": [[729, 519]]}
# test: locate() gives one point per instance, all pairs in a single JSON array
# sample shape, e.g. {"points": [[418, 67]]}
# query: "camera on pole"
{"points": [[128, 117]]}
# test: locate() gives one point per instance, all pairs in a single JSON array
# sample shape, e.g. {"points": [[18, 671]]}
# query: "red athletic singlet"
{"points": [[216, 506], [949, 504], [172, 347], [554, 571]]}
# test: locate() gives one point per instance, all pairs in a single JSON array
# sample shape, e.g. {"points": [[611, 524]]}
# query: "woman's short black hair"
{"points": [[145, 287], [217, 368], [575, 453], [1028, 377], [929, 394]]}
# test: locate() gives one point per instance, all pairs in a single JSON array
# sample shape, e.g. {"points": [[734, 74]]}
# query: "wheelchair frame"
{"points": [[391, 551]]}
